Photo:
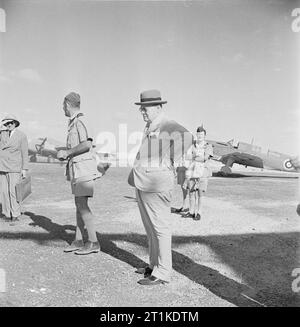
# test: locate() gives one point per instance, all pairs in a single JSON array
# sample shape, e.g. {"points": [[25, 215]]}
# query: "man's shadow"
{"points": [[55, 230], [220, 285], [107, 246]]}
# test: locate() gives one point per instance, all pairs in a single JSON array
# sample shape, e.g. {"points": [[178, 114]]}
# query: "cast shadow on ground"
{"points": [[251, 255], [57, 232], [265, 262]]}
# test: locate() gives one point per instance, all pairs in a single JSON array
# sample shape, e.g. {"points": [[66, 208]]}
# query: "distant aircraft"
{"points": [[44, 147], [47, 147], [104, 161], [250, 155]]}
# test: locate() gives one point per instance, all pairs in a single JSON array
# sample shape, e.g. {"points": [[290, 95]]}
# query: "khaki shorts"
{"points": [[196, 184], [83, 188]]}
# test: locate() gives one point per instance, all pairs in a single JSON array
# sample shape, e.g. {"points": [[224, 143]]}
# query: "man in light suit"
{"points": [[164, 142], [13, 166]]}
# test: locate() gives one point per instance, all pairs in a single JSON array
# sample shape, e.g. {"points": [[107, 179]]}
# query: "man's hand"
{"points": [[62, 155], [23, 173]]}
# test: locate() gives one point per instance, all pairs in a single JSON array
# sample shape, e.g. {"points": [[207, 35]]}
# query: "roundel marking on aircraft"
{"points": [[287, 164]]}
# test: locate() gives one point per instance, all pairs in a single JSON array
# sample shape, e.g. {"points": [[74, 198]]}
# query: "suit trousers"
{"points": [[156, 216], [10, 206]]}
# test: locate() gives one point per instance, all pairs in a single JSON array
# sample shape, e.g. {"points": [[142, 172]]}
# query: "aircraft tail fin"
{"points": [[40, 146]]}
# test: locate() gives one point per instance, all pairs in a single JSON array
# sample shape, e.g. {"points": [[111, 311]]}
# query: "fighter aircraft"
{"points": [[250, 155], [45, 147]]}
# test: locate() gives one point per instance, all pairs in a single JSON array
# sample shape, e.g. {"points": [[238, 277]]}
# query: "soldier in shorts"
{"points": [[198, 173], [81, 171]]}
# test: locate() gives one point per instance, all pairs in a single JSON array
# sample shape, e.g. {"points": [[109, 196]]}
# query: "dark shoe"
{"points": [[75, 245], [188, 215], [147, 271], [149, 281], [181, 210], [89, 247], [198, 217]]}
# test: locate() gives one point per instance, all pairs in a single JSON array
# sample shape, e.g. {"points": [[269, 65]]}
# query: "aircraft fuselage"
{"points": [[250, 155]]}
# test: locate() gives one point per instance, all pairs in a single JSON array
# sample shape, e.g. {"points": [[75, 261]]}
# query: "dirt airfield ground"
{"points": [[242, 252]]}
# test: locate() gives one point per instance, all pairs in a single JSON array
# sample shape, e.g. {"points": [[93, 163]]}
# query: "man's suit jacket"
{"points": [[14, 153], [153, 169]]}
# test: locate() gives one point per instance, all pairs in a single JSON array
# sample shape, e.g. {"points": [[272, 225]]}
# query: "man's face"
{"points": [[149, 113], [200, 136], [11, 125], [66, 109]]}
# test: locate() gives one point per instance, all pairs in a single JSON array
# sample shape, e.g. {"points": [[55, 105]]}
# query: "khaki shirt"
{"points": [[82, 167], [206, 152]]}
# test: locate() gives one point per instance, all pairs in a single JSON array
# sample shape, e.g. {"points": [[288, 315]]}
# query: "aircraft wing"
{"points": [[45, 147], [60, 148], [31, 152], [242, 158]]}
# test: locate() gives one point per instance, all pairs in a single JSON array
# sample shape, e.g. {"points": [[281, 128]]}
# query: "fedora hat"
{"points": [[150, 98], [73, 98], [10, 118]]}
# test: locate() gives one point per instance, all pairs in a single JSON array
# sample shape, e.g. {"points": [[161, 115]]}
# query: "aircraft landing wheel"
{"points": [[225, 171]]}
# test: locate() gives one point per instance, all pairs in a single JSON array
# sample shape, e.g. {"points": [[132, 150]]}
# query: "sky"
{"points": [[230, 65]]}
